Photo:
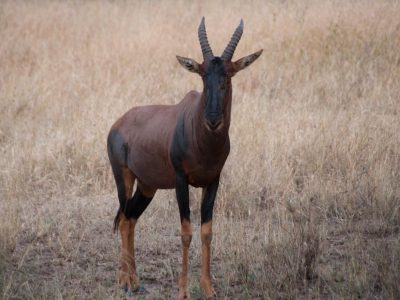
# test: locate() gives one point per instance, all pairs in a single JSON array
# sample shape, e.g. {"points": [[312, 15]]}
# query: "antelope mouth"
{"points": [[214, 125]]}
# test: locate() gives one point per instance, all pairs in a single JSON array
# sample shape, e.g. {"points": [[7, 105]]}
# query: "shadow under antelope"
{"points": [[172, 146]]}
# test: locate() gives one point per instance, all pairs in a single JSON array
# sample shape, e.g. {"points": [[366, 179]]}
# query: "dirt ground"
{"points": [[75, 253], [68, 250]]}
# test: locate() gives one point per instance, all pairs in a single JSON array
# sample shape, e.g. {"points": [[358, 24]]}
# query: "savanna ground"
{"points": [[309, 205]]}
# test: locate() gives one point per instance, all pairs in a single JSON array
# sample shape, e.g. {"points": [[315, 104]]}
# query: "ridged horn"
{"points": [[205, 47], [230, 49]]}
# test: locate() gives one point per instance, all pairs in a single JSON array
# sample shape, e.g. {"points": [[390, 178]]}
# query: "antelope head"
{"points": [[216, 73]]}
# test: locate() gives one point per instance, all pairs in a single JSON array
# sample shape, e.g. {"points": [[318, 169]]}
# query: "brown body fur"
{"points": [[149, 132]]}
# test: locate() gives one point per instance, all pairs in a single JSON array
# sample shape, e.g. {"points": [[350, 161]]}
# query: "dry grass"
{"points": [[309, 205]]}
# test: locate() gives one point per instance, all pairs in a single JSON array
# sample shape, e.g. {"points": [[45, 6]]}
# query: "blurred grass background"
{"points": [[309, 204]]}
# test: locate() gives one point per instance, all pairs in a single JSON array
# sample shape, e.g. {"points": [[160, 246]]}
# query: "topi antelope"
{"points": [[172, 146]]}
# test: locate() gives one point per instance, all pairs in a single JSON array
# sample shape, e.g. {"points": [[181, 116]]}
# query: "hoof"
{"points": [[141, 290], [128, 292], [184, 296], [128, 281]]}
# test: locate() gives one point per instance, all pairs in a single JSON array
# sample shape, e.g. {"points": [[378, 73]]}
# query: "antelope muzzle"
{"points": [[215, 122]]}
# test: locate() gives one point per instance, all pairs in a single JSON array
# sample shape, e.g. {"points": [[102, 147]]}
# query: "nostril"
{"points": [[214, 123]]}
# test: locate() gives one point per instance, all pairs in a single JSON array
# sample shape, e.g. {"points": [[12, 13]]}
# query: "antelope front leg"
{"points": [[182, 195], [207, 207], [186, 235]]}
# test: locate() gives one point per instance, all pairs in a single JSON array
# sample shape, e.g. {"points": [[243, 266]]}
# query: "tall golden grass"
{"points": [[309, 205]]}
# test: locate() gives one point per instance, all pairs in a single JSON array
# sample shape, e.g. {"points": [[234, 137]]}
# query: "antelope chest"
{"points": [[201, 174]]}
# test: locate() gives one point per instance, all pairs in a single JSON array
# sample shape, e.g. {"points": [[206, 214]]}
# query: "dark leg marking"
{"points": [[137, 205], [182, 195], [207, 204]]}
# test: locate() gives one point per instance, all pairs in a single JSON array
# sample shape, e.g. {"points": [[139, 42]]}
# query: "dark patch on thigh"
{"points": [[117, 147]]}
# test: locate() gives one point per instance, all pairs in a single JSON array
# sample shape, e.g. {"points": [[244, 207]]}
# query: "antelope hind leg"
{"points": [[128, 278]]}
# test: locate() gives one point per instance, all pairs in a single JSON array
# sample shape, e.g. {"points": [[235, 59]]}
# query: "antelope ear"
{"points": [[246, 61], [189, 64]]}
